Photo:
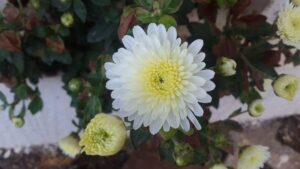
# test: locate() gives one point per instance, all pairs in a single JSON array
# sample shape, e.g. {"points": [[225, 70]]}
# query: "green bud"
{"points": [[220, 140], [218, 166], [65, 1], [226, 66], [67, 19], [36, 4], [167, 135], [256, 108], [226, 3], [18, 122], [183, 154], [74, 85], [286, 86]]}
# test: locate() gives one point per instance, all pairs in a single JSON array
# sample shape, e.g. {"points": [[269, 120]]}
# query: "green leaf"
{"points": [[171, 6], [17, 59], [236, 113], [60, 57], [41, 31], [21, 91], [93, 107], [4, 54], [36, 105], [3, 98], [60, 5], [145, 3], [101, 2], [139, 136], [100, 32], [167, 20], [249, 96], [200, 157], [80, 10], [166, 150], [144, 16]]}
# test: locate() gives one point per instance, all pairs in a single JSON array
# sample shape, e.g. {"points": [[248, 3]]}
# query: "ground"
{"points": [[281, 135]]}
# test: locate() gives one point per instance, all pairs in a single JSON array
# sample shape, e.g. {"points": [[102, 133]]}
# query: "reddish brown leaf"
{"points": [[258, 80], [127, 20], [10, 41], [239, 7], [252, 20], [208, 11], [31, 20], [244, 71], [55, 44], [272, 58], [226, 47], [11, 13]]}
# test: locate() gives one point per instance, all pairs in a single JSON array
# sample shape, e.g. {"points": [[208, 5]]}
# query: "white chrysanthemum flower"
{"points": [[157, 81], [289, 25], [253, 157]]}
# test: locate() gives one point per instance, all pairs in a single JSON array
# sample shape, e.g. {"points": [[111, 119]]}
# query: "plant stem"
{"points": [[20, 5], [255, 68]]}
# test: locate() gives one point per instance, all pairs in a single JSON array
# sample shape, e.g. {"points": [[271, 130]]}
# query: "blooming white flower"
{"points": [[289, 25], [253, 157], [157, 81]]}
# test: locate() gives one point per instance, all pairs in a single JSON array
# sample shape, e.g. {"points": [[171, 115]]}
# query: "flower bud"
{"points": [[296, 2], [226, 66], [256, 108], [74, 85], [36, 4], [18, 121], [70, 145], [183, 154], [67, 19], [286, 86], [218, 166], [105, 135], [167, 135]]}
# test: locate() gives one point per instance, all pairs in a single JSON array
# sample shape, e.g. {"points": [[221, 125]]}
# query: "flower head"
{"points": [[157, 81], [253, 157], [105, 135], [218, 166], [289, 25], [70, 145], [18, 122], [286, 86], [226, 66], [256, 108], [296, 2]]}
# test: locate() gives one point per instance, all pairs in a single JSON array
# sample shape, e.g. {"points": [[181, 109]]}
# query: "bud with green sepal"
{"points": [[226, 66], [74, 85], [256, 108], [18, 122], [183, 154], [167, 135], [67, 19], [286, 86]]}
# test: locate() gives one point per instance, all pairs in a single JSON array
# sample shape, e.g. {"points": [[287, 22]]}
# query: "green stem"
{"points": [[20, 5], [230, 117], [255, 68]]}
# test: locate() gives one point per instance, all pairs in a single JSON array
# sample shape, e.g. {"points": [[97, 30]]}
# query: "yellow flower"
{"points": [[70, 145], [289, 26], [218, 166], [286, 86], [253, 157], [105, 135], [256, 108]]}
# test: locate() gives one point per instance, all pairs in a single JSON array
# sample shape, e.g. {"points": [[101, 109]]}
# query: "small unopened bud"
{"points": [[183, 154], [256, 108], [18, 122], [36, 4], [286, 86], [67, 19], [226, 66], [74, 85], [218, 166], [70, 145]]}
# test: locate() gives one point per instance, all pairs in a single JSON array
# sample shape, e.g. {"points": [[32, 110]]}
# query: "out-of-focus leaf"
{"points": [[127, 20], [80, 9], [35, 105], [167, 20], [101, 2], [100, 31], [166, 150], [232, 125], [239, 7], [225, 48], [170, 6], [249, 96], [145, 3], [21, 91], [139, 136]]}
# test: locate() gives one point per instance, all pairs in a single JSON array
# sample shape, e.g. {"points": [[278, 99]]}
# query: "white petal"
{"points": [[197, 109], [128, 42], [138, 32], [156, 126], [207, 74], [194, 121], [185, 124], [209, 86], [152, 29], [207, 99], [172, 34], [166, 126], [196, 46]]}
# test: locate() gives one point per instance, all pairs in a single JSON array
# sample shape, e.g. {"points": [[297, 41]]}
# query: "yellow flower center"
{"points": [[163, 78]]}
